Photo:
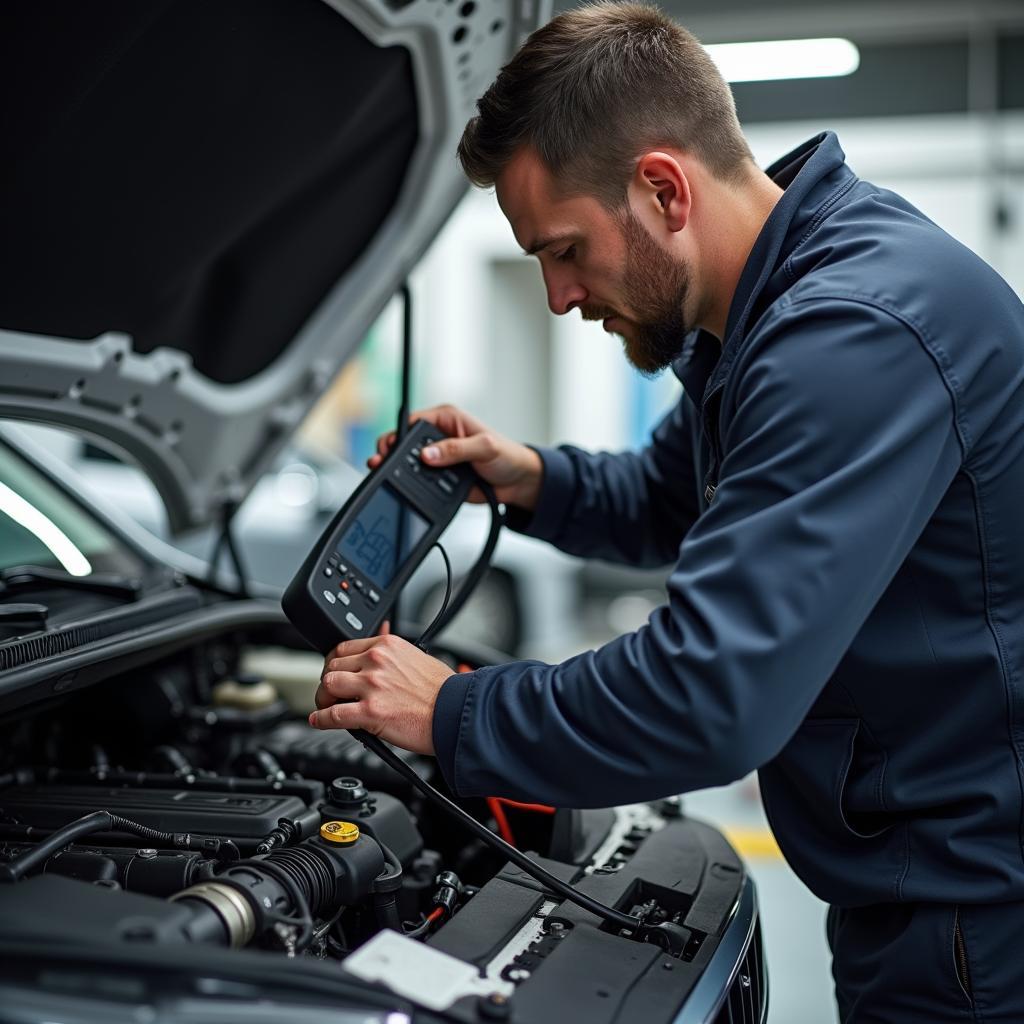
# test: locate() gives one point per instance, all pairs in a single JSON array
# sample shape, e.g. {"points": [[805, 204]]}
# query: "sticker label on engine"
{"points": [[422, 975]]}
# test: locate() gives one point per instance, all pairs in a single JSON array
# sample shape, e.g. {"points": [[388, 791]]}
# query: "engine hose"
{"points": [[292, 883], [386, 887], [263, 896], [119, 824], [309, 873], [98, 821], [174, 758]]}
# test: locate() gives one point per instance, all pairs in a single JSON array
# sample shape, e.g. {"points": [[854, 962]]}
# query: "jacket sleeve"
{"points": [[841, 445], [629, 507]]}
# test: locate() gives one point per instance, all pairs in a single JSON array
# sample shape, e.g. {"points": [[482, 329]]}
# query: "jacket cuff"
{"points": [[448, 710], [556, 494]]}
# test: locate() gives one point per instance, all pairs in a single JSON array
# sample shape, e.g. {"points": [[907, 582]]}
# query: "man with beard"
{"points": [[839, 491]]}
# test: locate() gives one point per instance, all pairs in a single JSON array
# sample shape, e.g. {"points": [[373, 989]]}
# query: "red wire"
{"points": [[494, 803], [519, 805], [497, 805], [435, 914], [498, 812]]}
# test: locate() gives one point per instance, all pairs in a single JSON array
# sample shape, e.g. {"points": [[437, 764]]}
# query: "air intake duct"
{"points": [[280, 894]]}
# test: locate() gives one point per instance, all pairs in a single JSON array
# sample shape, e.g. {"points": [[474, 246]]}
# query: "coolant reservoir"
{"points": [[247, 693]]}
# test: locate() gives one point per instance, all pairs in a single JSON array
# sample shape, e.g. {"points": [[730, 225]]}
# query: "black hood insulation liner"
{"points": [[197, 175]]}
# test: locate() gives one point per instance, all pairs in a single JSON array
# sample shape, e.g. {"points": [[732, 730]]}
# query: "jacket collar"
{"points": [[812, 175]]}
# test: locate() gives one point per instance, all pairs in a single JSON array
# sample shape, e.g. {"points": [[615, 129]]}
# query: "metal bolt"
{"points": [[287, 935], [496, 1006]]}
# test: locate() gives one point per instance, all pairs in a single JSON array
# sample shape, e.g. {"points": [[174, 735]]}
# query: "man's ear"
{"points": [[660, 180]]}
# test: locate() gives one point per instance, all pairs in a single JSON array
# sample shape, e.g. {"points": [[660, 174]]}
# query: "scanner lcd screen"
{"points": [[381, 539]]}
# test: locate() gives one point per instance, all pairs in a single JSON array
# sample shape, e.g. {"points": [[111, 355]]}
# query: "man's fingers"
{"points": [[386, 442], [350, 663], [339, 716], [340, 677], [478, 448], [347, 648], [340, 685], [324, 697], [447, 418]]}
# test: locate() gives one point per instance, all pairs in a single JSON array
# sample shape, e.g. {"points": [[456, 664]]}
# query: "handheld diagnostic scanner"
{"points": [[373, 545]]}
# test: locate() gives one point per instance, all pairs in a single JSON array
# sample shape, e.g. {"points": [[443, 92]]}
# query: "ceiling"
{"points": [[917, 56], [719, 21]]}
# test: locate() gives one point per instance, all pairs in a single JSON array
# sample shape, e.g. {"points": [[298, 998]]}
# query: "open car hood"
{"points": [[206, 205]]}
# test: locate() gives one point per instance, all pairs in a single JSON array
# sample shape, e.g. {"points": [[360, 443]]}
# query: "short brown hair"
{"points": [[593, 89]]}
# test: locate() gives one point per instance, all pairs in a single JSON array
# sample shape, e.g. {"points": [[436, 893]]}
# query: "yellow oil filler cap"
{"points": [[339, 831]]}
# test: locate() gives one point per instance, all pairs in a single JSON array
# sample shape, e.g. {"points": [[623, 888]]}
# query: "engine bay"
{"points": [[188, 805]]}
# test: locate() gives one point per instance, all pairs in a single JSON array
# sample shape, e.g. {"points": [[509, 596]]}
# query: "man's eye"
{"points": [[566, 254]]}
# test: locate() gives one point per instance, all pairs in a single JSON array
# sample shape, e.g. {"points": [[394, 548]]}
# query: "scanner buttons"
{"points": [[446, 479], [346, 582]]}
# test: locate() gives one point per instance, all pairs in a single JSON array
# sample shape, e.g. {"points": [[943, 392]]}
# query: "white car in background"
{"points": [[527, 606]]}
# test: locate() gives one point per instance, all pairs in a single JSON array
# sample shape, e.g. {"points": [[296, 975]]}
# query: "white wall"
{"points": [[487, 342], [954, 168]]}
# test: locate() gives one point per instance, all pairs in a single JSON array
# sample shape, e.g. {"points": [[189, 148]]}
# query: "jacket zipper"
{"points": [[709, 416], [963, 973]]}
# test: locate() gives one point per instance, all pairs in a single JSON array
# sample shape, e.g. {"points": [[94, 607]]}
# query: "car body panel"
{"points": [[205, 413]]}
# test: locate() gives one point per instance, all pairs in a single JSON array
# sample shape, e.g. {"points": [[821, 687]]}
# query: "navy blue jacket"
{"points": [[841, 490]]}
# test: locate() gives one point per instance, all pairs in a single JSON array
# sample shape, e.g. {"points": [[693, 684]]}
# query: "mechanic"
{"points": [[840, 490]]}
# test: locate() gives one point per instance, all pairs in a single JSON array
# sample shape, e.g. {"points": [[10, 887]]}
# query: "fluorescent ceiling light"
{"points": [[60, 544], [785, 58]]}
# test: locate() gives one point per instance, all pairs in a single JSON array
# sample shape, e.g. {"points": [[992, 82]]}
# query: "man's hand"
{"points": [[386, 686], [512, 469]]}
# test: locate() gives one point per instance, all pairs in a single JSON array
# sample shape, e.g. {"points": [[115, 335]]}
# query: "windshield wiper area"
{"points": [[20, 578]]}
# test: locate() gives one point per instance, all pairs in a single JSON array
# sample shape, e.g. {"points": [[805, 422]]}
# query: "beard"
{"points": [[655, 288]]}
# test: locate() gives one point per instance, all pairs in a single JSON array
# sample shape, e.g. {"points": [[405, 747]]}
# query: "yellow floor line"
{"points": [[753, 842]]}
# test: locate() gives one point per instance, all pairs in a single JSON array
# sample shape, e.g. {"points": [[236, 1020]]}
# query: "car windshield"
{"points": [[41, 525]]}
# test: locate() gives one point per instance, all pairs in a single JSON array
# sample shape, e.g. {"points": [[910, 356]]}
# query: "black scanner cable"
{"points": [[428, 634], [403, 400], [445, 615], [517, 857], [483, 563], [475, 575]]}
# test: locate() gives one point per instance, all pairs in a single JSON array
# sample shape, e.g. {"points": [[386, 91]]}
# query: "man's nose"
{"points": [[564, 295]]}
